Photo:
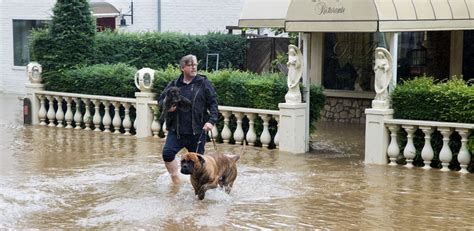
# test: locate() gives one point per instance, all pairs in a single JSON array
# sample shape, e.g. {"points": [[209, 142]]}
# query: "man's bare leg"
{"points": [[172, 168]]}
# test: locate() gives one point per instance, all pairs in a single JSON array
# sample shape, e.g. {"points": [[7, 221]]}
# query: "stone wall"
{"points": [[346, 110]]}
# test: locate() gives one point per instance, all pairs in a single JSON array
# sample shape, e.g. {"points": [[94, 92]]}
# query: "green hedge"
{"points": [[112, 80], [153, 50], [423, 99]]}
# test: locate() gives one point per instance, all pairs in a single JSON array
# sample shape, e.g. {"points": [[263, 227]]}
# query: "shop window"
{"points": [[21, 35], [348, 61], [423, 53]]}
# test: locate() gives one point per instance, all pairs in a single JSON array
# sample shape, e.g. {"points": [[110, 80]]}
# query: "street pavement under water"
{"points": [[74, 179]]}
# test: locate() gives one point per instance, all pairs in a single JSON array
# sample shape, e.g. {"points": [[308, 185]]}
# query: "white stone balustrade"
{"points": [[113, 114], [251, 135], [78, 111], [427, 153]]}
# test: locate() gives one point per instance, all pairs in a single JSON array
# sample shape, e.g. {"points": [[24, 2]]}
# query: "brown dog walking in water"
{"points": [[209, 171]]}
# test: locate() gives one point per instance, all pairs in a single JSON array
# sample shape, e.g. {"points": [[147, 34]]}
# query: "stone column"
{"points": [[33, 72], [376, 135], [292, 127], [144, 114], [144, 81]]}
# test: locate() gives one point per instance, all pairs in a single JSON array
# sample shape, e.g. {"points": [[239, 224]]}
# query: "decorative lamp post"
{"points": [[144, 79], [33, 71], [144, 82]]}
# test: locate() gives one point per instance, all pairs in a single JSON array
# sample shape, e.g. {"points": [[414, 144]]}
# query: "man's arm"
{"points": [[211, 100], [162, 96]]}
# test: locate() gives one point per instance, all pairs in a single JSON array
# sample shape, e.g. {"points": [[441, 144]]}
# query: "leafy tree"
{"points": [[72, 35]]}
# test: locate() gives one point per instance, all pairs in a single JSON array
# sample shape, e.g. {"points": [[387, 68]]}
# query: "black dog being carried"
{"points": [[173, 98]]}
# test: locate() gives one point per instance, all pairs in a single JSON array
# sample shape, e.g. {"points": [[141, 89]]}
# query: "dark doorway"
{"points": [[262, 51]]}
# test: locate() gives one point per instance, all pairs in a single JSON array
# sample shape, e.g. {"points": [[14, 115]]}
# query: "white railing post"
{"points": [[33, 72], [376, 135], [226, 133], [292, 127], [144, 117], [393, 150], [427, 152], [127, 123], [116, 121], [464, 158], [51, 113], [265, 137], [239, 132], [42, 111], [409, 152], [445, 155], [251, 137]]}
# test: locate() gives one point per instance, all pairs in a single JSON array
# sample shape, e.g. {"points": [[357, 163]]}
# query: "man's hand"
{"points": [[207, 127], [172, 109]]}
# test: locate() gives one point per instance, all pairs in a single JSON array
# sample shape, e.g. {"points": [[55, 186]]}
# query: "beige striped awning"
{"points": [[264, 13], [360, 15]]}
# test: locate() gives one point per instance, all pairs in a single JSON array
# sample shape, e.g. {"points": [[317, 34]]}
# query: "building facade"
{"points": [[18, 17]]}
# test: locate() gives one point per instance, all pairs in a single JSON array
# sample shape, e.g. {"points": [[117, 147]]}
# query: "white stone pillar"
{"points": [[144, 114], [376, 135], [292, 127], [33, 73], [31, 89]]}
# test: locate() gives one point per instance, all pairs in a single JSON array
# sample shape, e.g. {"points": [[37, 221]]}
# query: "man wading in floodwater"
{"points": [[187, 128]]}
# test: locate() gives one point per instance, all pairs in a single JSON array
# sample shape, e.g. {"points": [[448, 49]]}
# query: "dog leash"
{"points": [[199, 140]]}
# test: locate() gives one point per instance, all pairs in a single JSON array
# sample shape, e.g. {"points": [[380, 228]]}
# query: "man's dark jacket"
{"points": [[204, 98]]}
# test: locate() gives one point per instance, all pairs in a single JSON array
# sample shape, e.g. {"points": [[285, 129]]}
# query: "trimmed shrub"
{"points": [[112, 80], [153, 50], [422, 99]]}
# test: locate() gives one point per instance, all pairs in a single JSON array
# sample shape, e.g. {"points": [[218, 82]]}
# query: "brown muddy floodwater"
{"points": [[70, 179]]}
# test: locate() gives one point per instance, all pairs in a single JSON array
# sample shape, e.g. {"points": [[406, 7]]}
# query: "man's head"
{"points": [[189, 66]]}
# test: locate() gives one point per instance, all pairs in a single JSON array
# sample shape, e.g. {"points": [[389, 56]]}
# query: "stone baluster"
{"points": [[226, 133], [410, 151], [87, 115], [393, 151], [106, 120], [276, 139], [445, 155], [96, 118], [51, 113], [251, 137], [427, 152], [60, 112], [239, 132], [116, 121], [68, 116], [155, 124], [42, 110], [127, 123], [77, 114], [265, 137], [464, 158]]}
